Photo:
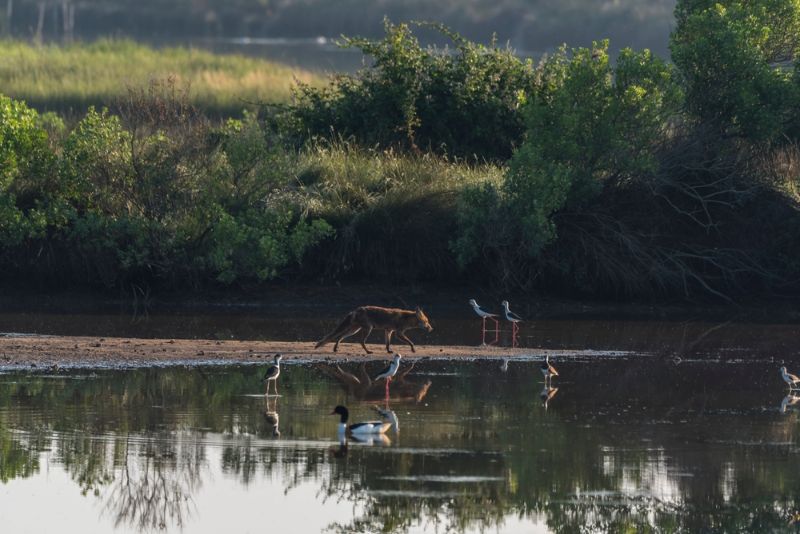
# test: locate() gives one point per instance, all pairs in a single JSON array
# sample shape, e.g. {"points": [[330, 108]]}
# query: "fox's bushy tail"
{"points": [[339, 330]]}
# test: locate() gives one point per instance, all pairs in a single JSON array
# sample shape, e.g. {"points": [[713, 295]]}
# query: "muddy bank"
{"points": [[25, 351]]}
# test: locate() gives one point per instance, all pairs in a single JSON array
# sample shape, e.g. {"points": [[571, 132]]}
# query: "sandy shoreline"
{"points": [[37, 352]]}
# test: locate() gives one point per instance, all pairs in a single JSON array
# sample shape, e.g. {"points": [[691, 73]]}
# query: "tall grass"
{"points": [[395, 213], [64, 78]]}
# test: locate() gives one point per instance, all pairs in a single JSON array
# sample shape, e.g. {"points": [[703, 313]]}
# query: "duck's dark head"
{"points": [[342, 412]]}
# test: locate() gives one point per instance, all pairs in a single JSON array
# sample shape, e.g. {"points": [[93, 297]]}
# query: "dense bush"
{"points": [[590, 125], [153, 195], [462, 102], [583, 175], [735, 59]]}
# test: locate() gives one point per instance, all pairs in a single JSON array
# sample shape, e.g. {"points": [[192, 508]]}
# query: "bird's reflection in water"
{"points": [[389, 415], [546, 395], [789, 400], [271, 415]]}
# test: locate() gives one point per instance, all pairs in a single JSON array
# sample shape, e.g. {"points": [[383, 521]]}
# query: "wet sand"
{"points": [[25, 351]]}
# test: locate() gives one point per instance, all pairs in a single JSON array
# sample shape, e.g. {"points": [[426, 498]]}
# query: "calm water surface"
{"points": [[633, 443]]}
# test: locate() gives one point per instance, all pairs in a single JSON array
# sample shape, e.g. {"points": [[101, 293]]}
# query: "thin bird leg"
{"points": [[387, 388], [483, 331], [276, 387]]}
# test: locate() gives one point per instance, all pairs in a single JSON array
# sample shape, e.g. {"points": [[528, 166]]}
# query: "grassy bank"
{"points": [[71, 78]]}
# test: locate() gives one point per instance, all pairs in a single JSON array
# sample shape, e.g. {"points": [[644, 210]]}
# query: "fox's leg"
{"points": [[352, 331], [405, 338], [364, 341], [388, 334]]}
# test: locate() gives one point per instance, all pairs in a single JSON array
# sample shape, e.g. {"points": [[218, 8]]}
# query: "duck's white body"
{"points": [[362, 428], [367, 427]]}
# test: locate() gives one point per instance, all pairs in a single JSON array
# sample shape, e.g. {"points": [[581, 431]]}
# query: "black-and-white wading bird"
{"points": [[789, 378], [509, 315], [548, 371], [389, 372], [272, 374], [483, 314], [514, 319]]}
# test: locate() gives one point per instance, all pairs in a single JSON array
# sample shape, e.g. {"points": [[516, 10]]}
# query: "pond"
{"points": [[635, 442]]}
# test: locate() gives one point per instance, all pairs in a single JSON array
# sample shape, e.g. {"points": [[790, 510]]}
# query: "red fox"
{"points": [[391, 320]]}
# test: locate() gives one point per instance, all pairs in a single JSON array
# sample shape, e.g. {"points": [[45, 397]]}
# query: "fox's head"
{"points": [[423, 320]]}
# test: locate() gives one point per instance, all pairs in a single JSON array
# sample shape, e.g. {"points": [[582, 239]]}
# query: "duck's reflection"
{"points": [[371, 439]]}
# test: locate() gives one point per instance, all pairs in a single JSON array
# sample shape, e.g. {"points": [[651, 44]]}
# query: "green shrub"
{"points": [[734, 59], [589, 124], [153, 196], [463, 103], [28, 188]]}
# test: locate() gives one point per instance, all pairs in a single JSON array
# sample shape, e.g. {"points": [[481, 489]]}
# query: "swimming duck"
{"points": [[366, 427]]}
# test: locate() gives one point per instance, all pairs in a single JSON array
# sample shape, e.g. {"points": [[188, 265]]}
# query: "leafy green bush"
{"points": [[154, 195], [589, 124], [28, 191], [462, 102], [734, 58]]}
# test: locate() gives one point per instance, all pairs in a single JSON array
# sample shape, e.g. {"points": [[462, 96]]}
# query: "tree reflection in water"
{"points": [[650, 447], [155, 482]]}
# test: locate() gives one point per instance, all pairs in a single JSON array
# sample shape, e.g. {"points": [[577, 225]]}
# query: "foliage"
{"points": [[589, 124], [462, 102], [25, 169], [155, 195], [734, 57]]}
